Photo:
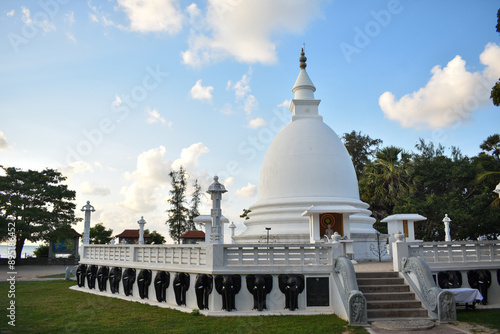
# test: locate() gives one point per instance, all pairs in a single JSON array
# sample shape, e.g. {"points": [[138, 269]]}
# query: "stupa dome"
{"points": [[306, 165]]}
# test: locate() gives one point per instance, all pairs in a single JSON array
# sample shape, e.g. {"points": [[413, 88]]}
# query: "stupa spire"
{"points": [[302, 59], [304, 88]]}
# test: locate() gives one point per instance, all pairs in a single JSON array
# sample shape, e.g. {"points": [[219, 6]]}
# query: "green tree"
{"points": [[178, 212], [42, 251], [245, 214], [495, 91], [361, 148], [99, 234], [442, 184], [492, 145], [155, 238], [195, 204], [385, 180], [37, 205]]}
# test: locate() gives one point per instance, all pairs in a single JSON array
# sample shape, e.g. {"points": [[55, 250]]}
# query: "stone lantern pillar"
{"points": [[446, 221], [216, 190], [232, 227], [141, 223], [86, 228]]}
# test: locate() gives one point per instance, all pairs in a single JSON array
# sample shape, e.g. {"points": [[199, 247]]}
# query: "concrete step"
{"points": [[383, 288], [387, 304], [396, 313], [388, 296], [380, 281], [377, 274]]}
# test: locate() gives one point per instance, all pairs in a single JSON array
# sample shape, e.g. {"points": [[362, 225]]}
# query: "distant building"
{"points": [[192, 237], [130, 237]]}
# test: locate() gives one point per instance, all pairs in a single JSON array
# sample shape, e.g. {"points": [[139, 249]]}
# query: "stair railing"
{"points": [[440, 304], [354, 301]]}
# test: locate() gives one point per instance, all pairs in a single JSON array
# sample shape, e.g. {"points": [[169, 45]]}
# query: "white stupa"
{"points": [[308, 187]]}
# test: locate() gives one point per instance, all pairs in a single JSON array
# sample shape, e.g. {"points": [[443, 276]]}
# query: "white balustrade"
{"points": [[455, 254], [208, 256]]}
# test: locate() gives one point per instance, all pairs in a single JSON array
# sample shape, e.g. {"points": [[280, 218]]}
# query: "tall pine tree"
{"points": [[195, 204], [178, 212]]}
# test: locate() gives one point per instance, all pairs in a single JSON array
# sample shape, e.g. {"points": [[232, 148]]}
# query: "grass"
{"points": [[50, 307], [486, 317]]}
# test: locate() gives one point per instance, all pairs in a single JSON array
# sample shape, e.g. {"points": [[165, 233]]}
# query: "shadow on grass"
{"points": [[51, 307]]}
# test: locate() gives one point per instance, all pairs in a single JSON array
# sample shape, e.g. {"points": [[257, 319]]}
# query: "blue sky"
{"points": [[117, 93]]}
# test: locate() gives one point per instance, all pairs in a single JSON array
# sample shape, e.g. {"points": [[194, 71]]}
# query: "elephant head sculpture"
{"points": [[102, 277], [128, 281], [181, 285], [91, 276], [291, 286], [143, 283], [481, 280], [80, 274], [449, 279], [228, 286], [259, 286], [203, 288], [162, 281], [115, 275]]}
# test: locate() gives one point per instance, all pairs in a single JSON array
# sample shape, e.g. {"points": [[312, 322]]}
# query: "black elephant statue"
{"points": [[291, 286], [481, 280], [102, 277], [181, 285], [115, 276], [128, 281], [259, 286], [81, 271], [449, 279], [91, 276], [143, 283], [228, 286], [162, 281], [203, 287]]}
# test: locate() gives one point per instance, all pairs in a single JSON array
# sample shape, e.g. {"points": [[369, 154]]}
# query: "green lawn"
{"points": [[488, 318], [50, 307]]}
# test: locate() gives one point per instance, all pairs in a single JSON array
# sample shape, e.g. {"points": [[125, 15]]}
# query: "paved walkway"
{"points": [[28, 272]]}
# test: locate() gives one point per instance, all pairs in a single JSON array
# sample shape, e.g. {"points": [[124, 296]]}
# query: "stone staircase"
{"points": [[388, 297]]}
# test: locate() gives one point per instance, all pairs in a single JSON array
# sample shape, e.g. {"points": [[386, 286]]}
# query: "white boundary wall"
{"points": [[311, 260]]}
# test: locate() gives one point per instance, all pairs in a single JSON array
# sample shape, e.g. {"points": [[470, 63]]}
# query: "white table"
{"points": [[466, 296]]}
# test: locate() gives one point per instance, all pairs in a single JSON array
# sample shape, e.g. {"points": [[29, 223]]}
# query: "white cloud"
{"points": [[153, 15], [26, 15], [154, 117], [150, 180], [189, 157], [256, 123], [247, 191], [242, 92], [117, 101], [199, 92], [243, 30], [99, 17], [11, 13], [70, 17], [71, 37], [227, 109], [4, 144], [285, 104], [88, 188], [450, 97], [151, 174]]}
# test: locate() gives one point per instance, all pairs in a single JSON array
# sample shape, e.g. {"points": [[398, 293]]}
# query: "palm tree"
{"points": [[385, 180]]}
